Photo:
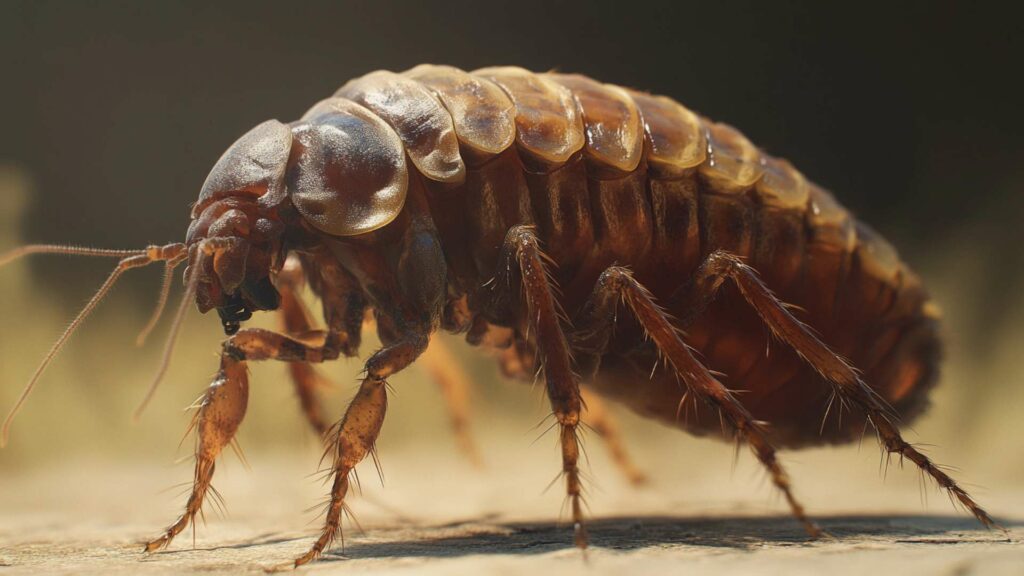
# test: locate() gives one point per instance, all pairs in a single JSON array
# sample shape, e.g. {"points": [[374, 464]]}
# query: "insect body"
{"points": [[610, 238]]}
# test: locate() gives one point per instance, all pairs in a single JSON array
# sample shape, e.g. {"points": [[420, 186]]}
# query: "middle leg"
{"points": [[297, 321], [522, 257]]}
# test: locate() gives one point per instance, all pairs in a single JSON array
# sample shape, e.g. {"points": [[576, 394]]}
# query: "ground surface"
{"points": [[436, 515]]}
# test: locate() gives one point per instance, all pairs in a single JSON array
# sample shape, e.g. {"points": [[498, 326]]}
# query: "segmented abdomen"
{"points": [[614, 176]]}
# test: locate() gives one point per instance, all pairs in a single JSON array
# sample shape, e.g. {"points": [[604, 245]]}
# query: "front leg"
{"points": [[216, 422], [359, 428], [223, 408]]}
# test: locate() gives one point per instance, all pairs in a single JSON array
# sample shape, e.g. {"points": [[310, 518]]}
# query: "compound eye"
{"points": [[348, 174]]}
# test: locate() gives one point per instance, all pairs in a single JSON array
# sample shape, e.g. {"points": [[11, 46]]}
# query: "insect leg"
{"points": [[514, 359], [358, 429], [618, 283], [455, 385], [297, 320], [588, 342], [447, 373], [220, 413], [597, 417], [223, 406], [522, 255], [849, 386]]}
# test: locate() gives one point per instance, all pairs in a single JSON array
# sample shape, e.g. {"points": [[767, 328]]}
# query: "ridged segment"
{"points": [[348, 174], [830, 222], [439, 110], [673, 135], [614, 132], [782, 185], [733, 163], [549, 127], [483, 114], [877, 256], [423, 124]]}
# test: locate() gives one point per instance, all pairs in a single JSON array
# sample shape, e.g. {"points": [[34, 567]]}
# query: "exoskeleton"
{"points": [[606, 237]]}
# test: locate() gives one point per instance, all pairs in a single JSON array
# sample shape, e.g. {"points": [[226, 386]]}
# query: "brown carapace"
{"points": [[598, 236]]}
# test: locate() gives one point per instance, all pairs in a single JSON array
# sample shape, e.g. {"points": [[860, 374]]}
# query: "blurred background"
{"points": [[113, 112]]}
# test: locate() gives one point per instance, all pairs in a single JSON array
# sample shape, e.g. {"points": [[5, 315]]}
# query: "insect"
{"points": [[590, 234]]}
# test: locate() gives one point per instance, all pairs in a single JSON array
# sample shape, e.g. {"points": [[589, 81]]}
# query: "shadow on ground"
{"points": [[626, 533]]}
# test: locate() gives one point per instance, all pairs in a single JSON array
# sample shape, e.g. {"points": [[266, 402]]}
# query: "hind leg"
{"points": [[850, 388], [617, 284]]}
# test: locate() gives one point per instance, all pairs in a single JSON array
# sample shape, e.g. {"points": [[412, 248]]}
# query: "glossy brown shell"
{"points": [[254, 165], [417, 116], [347, 173], [615, 176]]}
